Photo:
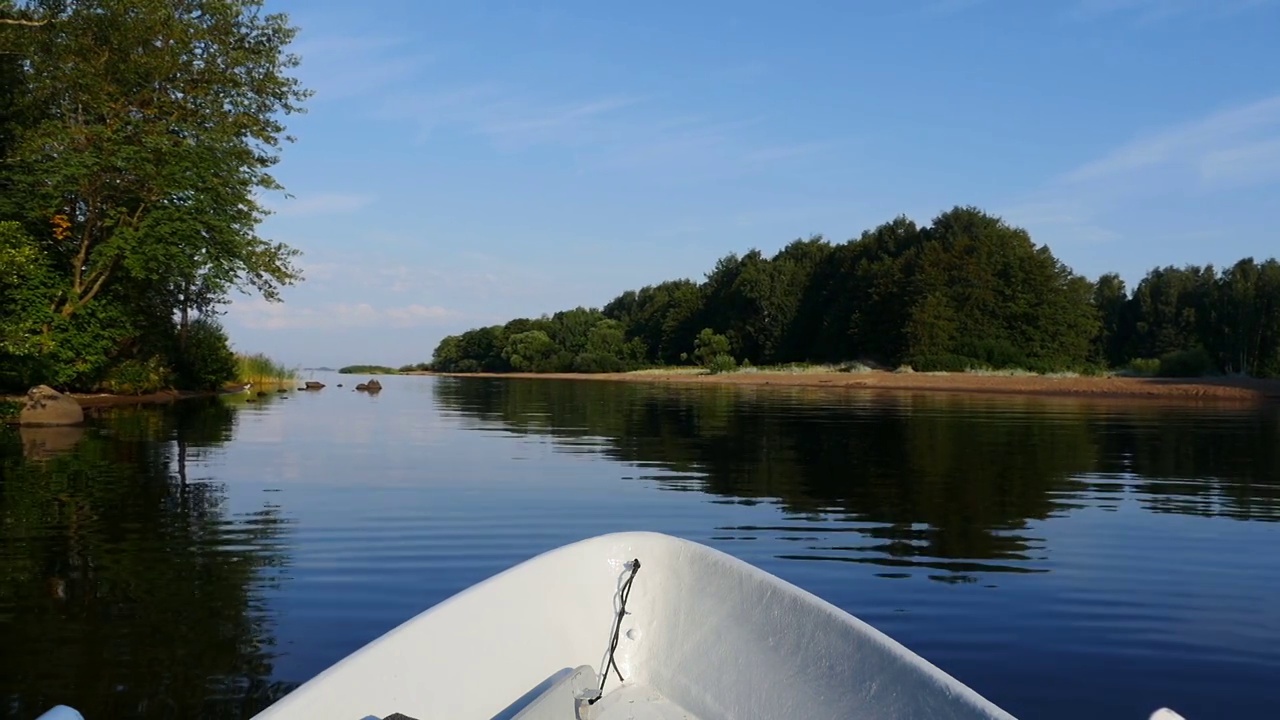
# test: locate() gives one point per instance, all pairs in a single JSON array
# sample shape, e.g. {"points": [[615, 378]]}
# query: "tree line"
{"points": [[136, 137], [966, 291]]}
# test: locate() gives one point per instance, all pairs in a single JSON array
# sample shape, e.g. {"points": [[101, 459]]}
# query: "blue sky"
{"points": [[464, 163]]}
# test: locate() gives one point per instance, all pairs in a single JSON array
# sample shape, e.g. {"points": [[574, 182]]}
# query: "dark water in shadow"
{"points": [[1064, 559]]}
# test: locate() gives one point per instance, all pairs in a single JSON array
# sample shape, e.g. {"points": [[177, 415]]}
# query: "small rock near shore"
{"points": [[46, 406]]}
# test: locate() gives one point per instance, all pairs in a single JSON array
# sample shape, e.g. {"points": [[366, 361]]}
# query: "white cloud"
{"points": [[259, 314], [1247, 164], [1217, 148], [1134, 191]]}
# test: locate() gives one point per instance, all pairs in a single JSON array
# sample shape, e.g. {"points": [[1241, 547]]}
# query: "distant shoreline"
{"points": [[1210, 388]]}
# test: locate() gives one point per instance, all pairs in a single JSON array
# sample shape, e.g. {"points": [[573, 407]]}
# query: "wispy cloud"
{"points": [[320, 204], [1212, 159], [504, 117], [259, 314], [1221, 148], [1250, 164], [1149, 11], [341, 67], [606, 132]]}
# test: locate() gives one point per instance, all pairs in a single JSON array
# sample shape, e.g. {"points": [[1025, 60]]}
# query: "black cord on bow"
{"points": [[623, 594]]}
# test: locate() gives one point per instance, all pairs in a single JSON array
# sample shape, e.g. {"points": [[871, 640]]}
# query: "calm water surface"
{"points": [[1064, 559]]}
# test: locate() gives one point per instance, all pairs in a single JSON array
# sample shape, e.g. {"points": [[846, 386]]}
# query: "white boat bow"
{"points": [[704, 636]]}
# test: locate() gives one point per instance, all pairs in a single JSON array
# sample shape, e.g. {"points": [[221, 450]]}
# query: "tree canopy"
{"points": [[137, 138], [968, 290]]}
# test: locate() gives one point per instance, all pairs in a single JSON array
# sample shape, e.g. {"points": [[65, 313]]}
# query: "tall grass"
{"points": [[262, 370]]}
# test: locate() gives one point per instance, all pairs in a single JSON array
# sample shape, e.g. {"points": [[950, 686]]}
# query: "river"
{"points": [[1064, 558]]}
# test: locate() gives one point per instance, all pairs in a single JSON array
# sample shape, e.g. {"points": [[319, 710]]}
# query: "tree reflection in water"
{"points": [[945, 482], [112, 534]]}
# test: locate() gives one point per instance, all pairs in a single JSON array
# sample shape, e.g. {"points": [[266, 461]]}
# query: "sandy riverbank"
{"points": [[1227, 389]]}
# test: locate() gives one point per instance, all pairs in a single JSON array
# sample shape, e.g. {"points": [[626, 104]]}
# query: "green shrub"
{"points": [[205, 361], [1185, 363], [367, 370], [995, 354], [709, 346], [137, 377], [721, 364], [597, 363], [1092, 370], [1143, 367], [942, 363]]}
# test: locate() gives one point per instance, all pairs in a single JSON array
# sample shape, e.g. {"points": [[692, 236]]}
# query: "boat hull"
{"points": [[710, 633]]}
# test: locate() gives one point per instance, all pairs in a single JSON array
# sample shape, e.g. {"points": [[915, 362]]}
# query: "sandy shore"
{"points": [[1228, 389]]}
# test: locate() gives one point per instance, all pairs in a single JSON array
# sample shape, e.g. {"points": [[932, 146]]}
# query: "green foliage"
{"points": [[1143, 367], [9, 410], [137, 138], [708, 346], [942, 363], [1185, 363], [369, 370], [532, 351], [137, 377], [966, 292], [723, 363], [590, 362], [262, 370], [204, 361]]}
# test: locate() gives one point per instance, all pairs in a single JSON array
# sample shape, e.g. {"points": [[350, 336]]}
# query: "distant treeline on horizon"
{"points": [[967, 291]]}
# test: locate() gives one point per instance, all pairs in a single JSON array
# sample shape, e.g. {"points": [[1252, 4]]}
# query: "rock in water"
{"points": [[46, 406], [313, 385], [374, 385]]}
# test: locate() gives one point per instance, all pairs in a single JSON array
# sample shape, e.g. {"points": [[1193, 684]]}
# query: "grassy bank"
{"points": [[261, 370]]}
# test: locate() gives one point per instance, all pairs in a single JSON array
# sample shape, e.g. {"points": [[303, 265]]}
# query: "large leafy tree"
{"points": [[143, 137]]}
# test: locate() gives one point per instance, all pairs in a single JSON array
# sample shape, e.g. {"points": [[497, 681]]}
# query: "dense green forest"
{"points": [[967, 291], [136, 138]]}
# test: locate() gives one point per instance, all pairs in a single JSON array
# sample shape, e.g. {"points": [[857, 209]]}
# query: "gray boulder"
{"points": [[46, 406]]}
